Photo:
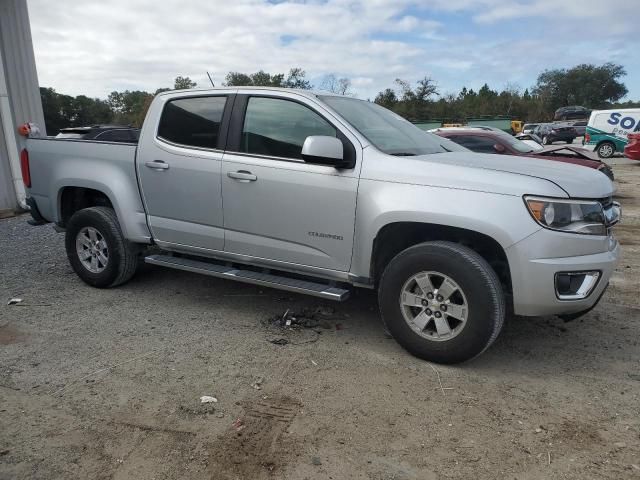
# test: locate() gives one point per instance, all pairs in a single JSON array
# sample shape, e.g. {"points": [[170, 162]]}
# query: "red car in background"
{"points": [[492, 140], [632, 148]]}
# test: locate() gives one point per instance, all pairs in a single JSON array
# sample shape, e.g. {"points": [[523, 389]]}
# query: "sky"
{"points": [[95, 47]]}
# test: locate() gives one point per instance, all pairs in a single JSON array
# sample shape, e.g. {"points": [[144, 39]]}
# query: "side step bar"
{"points": [[248, 276]]}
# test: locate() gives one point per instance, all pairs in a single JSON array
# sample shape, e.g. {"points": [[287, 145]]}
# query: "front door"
{"points": [[179, 170], [276, 206]]}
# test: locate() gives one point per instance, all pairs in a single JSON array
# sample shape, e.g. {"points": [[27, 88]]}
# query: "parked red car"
{"points": [[492, 140], [632, 148]]}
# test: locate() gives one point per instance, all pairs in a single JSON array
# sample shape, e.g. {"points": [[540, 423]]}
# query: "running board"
{"points": [[248, 276]]}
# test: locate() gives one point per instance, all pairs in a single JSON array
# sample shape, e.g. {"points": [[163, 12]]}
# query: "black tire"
{"points": [[570, 141], [545, 140], [122, 255], [482, 289], [606, 149], [607, 171]]}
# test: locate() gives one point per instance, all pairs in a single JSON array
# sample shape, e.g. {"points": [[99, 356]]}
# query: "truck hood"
{"points": [[486, 172]]}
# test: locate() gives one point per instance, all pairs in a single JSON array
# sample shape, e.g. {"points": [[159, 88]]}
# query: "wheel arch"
{"points": [[395, 237], [72, 198], [73, 194]]}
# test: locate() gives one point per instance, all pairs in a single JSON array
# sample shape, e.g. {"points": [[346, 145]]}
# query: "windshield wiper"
{"points": [[403, 154]]}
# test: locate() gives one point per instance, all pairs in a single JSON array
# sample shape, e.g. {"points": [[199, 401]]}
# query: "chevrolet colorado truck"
{"points": [[320, 194]]}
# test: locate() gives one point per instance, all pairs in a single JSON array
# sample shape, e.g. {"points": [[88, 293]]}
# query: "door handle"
{"points": [[157, 165], [242, 176]]}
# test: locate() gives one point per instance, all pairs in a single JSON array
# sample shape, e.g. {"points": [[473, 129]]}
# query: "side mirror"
{"points": [[323, 150], [499, 148]]}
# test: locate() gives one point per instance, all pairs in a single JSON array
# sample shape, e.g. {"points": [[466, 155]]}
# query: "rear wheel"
{"points": [[97, 249], [606, 150], [545, 140], [442, 302]]}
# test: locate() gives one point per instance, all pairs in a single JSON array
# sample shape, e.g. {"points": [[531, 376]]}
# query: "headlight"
{"points": [[574, 216]]}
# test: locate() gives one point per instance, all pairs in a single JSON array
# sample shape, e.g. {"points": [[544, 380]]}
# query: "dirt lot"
{"points": [[107, 383]]}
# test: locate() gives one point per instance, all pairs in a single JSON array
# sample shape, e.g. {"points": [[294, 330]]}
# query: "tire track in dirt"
{"points": [[256, 447]]}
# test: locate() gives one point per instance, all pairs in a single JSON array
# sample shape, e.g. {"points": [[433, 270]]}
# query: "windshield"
{"points": [[387, 131]]}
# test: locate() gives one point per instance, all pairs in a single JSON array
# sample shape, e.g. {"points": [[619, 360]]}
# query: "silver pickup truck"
{"points": [[319, 194]]}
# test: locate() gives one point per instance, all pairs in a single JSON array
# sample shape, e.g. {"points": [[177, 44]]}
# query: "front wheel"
{"points": [[442, 302], [606, 150], [545, 140], [97, 249]]}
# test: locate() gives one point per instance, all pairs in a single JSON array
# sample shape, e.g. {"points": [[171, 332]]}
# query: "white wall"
{"points": [[19, 96]]}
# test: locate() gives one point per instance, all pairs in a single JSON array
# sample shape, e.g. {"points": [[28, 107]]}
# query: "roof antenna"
{"points": [[210, 80]]}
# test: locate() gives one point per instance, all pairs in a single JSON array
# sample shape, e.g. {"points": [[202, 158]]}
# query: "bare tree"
{"points": [[341, 86]]}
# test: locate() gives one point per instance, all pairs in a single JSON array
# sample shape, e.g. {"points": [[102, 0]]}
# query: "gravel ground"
{"points": [[107, 383]]}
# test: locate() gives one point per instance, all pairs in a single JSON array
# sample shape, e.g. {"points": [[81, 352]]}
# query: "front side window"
{"points": [[278, 128], [193, 122]]}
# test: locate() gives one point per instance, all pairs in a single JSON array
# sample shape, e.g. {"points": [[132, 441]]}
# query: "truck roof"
{"points": [[306, 93]]}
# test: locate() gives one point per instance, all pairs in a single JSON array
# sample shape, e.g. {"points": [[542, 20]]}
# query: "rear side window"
{"points": [[193, 122], [475, 143], [278, 128]]}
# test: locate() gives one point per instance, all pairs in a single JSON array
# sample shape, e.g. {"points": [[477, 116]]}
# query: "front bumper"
{"points": [[536, 260]]}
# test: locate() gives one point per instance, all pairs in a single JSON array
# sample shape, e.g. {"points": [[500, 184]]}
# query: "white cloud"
{"points": [[95, 47]]}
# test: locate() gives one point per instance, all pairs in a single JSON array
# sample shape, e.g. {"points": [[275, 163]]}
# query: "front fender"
{"points": [[501, 217]]}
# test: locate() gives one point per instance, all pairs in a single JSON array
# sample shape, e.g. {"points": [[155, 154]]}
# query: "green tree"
{"points": [[387, 98], [587, 85], [183, 83], [237, 79], [296, 79], [62, 111], [127, 106]]}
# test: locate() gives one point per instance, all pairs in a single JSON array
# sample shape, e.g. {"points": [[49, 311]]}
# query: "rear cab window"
{"points": [[193, 121]]}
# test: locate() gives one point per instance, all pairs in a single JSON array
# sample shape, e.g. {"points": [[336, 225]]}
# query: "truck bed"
{"points": [[108, 167]]}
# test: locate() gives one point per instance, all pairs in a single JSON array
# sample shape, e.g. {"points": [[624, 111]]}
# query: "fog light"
{"points": [[575, 285]]}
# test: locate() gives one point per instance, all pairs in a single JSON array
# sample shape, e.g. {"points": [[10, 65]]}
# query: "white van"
{"points": [[607, 130]]}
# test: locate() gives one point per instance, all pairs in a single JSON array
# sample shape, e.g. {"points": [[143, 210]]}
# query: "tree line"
{"points": [[591, 86]]}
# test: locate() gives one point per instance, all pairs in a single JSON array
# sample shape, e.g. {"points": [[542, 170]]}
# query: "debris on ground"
{"points": [[316, 461], [14, 301], [208, 399], [238, 424], [318, 317], [279, 341], [315, 364], [258, 383]]}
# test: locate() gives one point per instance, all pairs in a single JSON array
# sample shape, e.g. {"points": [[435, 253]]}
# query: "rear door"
{"points": [[276, 206], [179, 166]]}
